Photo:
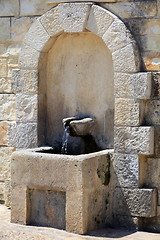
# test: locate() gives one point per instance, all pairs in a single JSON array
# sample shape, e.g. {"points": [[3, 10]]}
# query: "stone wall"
{"points": [[143, 20]]}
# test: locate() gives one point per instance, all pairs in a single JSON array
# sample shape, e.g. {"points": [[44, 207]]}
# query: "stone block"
{"points": [[2, 190], [155, 84], [137, 85], [5, 85], [151, 60], [99, 20], [149, 42], [5, 157], [128, 112], [4, 28], [7, 193], [150, 173], [125, 222], [9, 8], [3, 133], [152, 112], [26, 107], [135, 202], [74, 16], [126, 169], [144, 26], [29, 57], [126, 59], [157, 141], [13, 50], [117, 36], [36, 7], [19, 27], [7, 110], [37, 36], [133, 9], [22, 135], [52, 22], [25, 81], [138, 140], [3, 67]]}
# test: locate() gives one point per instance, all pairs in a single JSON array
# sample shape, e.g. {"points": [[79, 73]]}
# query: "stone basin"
{"points": [[62, 191]]}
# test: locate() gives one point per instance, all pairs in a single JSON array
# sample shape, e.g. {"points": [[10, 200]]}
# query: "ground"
{"points": [[10, 231]]}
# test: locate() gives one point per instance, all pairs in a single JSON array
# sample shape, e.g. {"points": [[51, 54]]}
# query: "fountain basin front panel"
{"points": [[63, 191]]}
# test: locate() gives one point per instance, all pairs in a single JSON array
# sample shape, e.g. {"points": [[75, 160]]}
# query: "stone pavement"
{"points": [[10, 231]]}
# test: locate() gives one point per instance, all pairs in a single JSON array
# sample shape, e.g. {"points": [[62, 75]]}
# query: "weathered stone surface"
{"points": [[144, 26], [151, 60], [3, 67], [157, 141], [19, 27], [135, 202], [133, 9], [7, 193], [25, 81], [22, 135], [13, 50], [9, 7], [4, 28], [74, 16], [7, 110], [158, 197], [2, 189], [37, 36], [128, 112], [126, 59], [5, 157], [152, 112], [136, 85], [149, 42], [126, 169], [51, 21], [28, 57], [3, 133], [117, 36], [5, 85], [36, 7], [134, 140], [26, 107], [150, 172], [125, 222], [99, 20], [155, 84]]}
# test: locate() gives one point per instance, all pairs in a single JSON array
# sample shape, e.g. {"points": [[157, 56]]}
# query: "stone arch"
{"points": [[79, 17]]}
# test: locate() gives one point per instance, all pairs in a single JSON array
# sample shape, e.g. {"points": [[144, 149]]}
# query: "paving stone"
{"points": [[137, 85], [134, 140]]}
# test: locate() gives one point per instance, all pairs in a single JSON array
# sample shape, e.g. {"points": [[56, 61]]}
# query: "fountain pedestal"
{"points": [[67, 192]]}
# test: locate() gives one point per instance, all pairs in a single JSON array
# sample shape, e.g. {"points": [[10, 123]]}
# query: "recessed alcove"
{"points": [[78, 81]]}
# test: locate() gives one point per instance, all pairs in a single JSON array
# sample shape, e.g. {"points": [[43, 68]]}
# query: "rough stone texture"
{"points": [[80, 191], [51, 21], [158, 197], [128, 112], [117, 36], [4, 28], [134, 140], [126, 169], [36, 7], [151, 60], [133, 9], [152, 112], [7, 110], [9, 7], [136, 85], [135, 202], [25, 81], [28, 58], [5, 157], [125, 222], [2, 189], [3, 133], [19, 27], [5, 85], [150, 173], [156, 85], [12, 50], [126, 59], [74, 16], [3, 67], [99, 20], [37, 36], [7, 193], [157, 141], [26, 107], [22, 135]]}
